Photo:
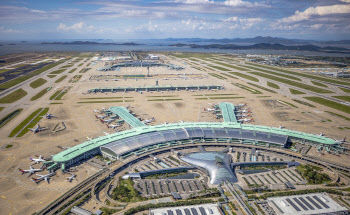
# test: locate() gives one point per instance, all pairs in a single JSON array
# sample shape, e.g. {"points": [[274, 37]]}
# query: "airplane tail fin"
{"points": [[31, 158], [35, 180], [21, 170], [205, 109]]}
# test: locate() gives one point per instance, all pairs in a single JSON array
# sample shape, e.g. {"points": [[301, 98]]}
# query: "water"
{"points": [[149, 45]]}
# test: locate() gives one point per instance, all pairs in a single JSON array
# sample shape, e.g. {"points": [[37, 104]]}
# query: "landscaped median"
{"points": [[9, 117], [29, 122], [14, 96], [37, 83], [329, 103], [40, 94]]}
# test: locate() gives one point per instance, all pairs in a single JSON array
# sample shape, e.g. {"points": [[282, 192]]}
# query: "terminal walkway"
{"points": [[124, 113], [228, 112]]}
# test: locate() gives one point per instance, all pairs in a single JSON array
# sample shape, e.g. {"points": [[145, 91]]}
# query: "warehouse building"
{"points": [[204, 209]]}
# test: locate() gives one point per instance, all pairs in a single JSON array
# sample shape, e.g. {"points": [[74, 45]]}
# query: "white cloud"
{"points": [[236, 22], [346, 1], [8, 30], [77, 27], [317, 11]]}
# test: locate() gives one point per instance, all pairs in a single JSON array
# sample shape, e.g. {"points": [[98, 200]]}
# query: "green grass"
{"points": [[215, 94], [1, 108], [293, 83], [164, 96], [231, 76], [318, 84], [40, 94], [303, 75], [164, 99], [14, 96], [303, 103], [75, 79], [9, 117], [274, 73], [73, 70], [80, 64], [24, 122], [251, 78], [219, 68], [295, 92], [231, 66], [4, 70], [51, 76], [112, 101], [344, 89], [58, 71], [33, 122], [344, 98], [254, 91], [217, 76], [290, 104], [338, 115], [58, 94], [56, 103], [329, 103], [61, 79], [213, 98], [37, 83], [109, 97], [261, 87], [273, 85]]}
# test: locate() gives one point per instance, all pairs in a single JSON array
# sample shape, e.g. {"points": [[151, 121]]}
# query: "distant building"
{"points": [[312, 203], [208, 209], [152, 57], [80, 211]]}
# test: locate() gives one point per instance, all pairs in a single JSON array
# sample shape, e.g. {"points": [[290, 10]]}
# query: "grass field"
{"points": [[254, 91], [293, 83], [231, 66], [58, 71], [164, 99], [73, 70], [112, 101], [261, 87], [219, 94], [61, 79], [14, 96], [80, 64], [228, 75], [273, 85], [251, 78], [295, 92], [121, 97], [37, 83], [303, 74], [338, 115], [290, 104], [9, 117], [217, 76], [219, 68], [303, 103], [33, 122], [1, 108], [318, 84], [329, 103], [344, 89], [275, 73], [344, 98], [214, 98], [75, 79], [24, 122], [51, 76], [40, 94], [164, 96]]}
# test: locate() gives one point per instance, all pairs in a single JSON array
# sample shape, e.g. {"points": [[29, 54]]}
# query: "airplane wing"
{"points": [[40, 175]]}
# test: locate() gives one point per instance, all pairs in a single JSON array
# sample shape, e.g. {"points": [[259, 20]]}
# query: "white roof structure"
{"points": [[205, 209], [312, 203]]}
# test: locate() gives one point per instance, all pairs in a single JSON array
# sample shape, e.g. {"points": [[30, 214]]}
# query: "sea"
{"points": [[14, 47]]}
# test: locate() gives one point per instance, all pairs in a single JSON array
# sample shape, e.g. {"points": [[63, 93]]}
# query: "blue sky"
{"points": [[153, 19]]}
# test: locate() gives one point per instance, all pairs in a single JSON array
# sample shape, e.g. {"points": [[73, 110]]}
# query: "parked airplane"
{"points": [[341, 141], [37, 160], [38, 129], [281, 126], [245, 120], [107, 121], [113, 126], [106, 133], [43, 177], [70, 179], [88, 138], [148, 120], [244, 111], [96, 111], [100, 116], [243, 115], [242, 105], [209, 109], [30, 171], [49, 116], [322, 134]]}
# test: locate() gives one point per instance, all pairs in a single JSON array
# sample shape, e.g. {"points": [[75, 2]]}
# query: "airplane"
{"points": [[107, 121], [243, 115], [245, 120], [341, 141], [30, 171], [281, 127], [49, 116], [88, 138], [242, 105], [113, 126], [322, 134], [37, 160], [244, 111], [148, 120], [38, 129], [43, 177], [96, 111], [100, 116], [106, 133], [209, 109], [70, 179], [181, 121]]}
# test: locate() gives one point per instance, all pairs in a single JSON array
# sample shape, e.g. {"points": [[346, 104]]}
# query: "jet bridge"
{"points": [[124, 113]]}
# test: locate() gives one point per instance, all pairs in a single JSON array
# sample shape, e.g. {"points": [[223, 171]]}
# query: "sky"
{"points": [[157, 19]]}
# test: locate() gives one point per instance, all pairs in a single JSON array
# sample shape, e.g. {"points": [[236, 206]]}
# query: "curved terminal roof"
{"points": [[178, 129], [217, 164], [154, 88]]}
